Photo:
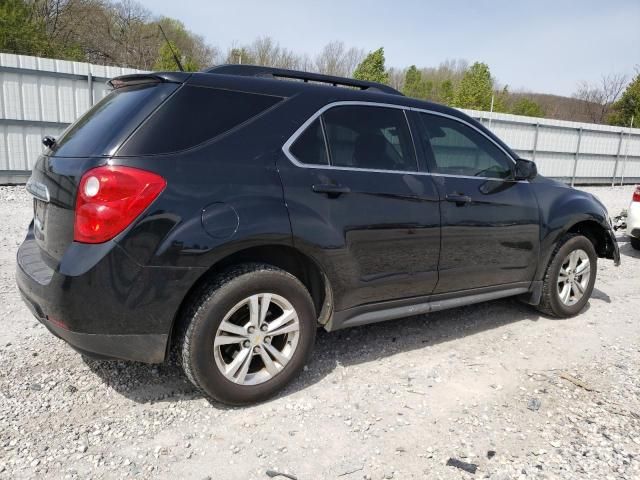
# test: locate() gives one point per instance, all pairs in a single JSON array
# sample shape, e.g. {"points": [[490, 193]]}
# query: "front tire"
{"points": [[570, 277], [249, 334]]}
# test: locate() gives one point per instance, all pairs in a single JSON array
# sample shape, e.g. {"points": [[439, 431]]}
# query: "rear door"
{"points": [[490, 222], [359, 206]]}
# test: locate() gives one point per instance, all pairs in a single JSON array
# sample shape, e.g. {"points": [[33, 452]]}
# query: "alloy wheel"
{"points": [[256, 339], [573, 277]]}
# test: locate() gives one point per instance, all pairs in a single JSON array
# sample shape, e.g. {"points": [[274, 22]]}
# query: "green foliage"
{"points": [[476, 88], [500, 99], [19, 32], [447, 93], [372, 68], [526, 106], [167, 62], [414, 86], [628, 106]]}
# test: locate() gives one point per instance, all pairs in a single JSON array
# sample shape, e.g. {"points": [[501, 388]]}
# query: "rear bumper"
{"points": [[100, 301], [147, 348], [633, 220]]}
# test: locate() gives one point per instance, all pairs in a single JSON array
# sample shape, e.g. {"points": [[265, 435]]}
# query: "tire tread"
{"points": [[546, 306], [203, 296]]}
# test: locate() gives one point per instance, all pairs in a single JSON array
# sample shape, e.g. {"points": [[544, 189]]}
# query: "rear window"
{"points": [[194, 115], [111, 120], [310, 147]]}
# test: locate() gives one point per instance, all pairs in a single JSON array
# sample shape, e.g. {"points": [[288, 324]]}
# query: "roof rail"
{"points": [[260, 71]]}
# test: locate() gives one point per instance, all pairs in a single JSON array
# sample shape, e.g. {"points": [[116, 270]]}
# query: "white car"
{"points": [[633, 219]]}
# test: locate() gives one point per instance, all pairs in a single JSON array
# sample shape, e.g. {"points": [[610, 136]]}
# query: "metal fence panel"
{"points": [[41, 96], [570, 151]]}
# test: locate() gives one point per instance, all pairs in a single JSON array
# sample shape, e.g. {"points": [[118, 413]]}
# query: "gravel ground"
{"points": [[497, 385]]}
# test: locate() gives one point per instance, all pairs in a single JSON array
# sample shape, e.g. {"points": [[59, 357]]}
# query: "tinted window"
{"points": [[456, 149], [310, 146], [369, 137], [194, 115], [111, 120]]}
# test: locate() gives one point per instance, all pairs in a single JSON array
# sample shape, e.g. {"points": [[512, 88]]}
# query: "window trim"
{"points": [[319, 112]]}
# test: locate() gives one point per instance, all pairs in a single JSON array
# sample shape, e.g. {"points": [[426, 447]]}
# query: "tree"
{"points": [[447, 92], [167, 62], [414, 85], [239, 55], [598, 98], [476, 88], [500, 98], [628, 106], [372, 68], [526, 106], [193, 47], [336, 59], [20, 32], [396, 78]]}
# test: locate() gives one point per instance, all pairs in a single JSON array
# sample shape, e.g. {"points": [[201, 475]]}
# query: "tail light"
{"points": [[636, 194], [110, 198]]}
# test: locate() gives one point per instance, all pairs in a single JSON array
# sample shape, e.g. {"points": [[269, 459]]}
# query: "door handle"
{"points": [[332, 191], [459, 199]]}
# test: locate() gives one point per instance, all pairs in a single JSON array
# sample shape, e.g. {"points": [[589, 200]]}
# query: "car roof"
{"points": [[284, 82], [288, 83], [319, 89]]}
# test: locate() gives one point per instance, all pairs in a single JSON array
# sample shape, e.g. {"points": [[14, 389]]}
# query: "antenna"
{"points": [[175, 57]]}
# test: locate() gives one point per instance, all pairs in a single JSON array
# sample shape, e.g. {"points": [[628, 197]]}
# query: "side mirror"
{"points": [[525, 170]]}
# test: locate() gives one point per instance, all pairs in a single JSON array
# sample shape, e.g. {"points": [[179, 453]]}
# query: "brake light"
{"points": [[636, 194], [110, 198]]}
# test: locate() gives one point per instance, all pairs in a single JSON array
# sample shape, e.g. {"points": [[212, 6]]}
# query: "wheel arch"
{"points": [[285, 257], [587, 226], [595, 232]]}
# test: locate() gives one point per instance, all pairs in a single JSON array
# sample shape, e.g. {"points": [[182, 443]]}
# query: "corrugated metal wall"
{"points": [[41, 96], [574, 152]]}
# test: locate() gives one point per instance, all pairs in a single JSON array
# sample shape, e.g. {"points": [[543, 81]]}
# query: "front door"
{"points": [[359, 206], [490, 222]]}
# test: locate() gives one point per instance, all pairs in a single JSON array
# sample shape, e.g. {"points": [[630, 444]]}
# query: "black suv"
{"points": [[231, 212]]}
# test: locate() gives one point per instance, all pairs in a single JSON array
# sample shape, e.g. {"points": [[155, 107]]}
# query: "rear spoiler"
{"points": [[145, 78]]}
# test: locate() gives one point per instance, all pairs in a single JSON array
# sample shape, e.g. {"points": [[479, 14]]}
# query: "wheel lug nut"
{"points": [[264, 327], [246, 344], [256, 349], [251, 329], [267, 339]]}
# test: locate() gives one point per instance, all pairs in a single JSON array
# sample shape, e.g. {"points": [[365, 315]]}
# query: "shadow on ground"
{"points": [[627, 250], [153, 383]]}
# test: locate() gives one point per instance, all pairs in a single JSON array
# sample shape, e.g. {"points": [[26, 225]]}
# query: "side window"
{"points": [[369, 137], [192, 116], [456, 149], [310, 146]]}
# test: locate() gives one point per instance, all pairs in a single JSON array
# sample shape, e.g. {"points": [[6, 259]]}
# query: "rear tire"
{"points": [[635, 243], [248, 334], [570, 277]]}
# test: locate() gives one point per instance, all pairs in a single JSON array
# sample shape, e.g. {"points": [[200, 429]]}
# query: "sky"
{"points": [[543, 46]]}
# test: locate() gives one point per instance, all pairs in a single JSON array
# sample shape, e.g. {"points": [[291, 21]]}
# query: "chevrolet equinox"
{"points": [[226, 214]]}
